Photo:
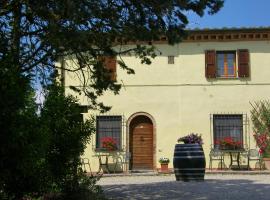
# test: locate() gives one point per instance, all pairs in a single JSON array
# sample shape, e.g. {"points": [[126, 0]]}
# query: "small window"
{"points": [[228, 126], [108, 126], [226, 64], [170, 59]]}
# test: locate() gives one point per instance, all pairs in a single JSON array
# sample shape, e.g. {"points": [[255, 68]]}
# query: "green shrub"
{"points": [[22, 143], [40, 151], [68, 137]]}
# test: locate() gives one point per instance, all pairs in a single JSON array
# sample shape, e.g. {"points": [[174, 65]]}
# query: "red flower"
{"points": [[229, 143], [108, 143], [262, 140], [260, 151]]}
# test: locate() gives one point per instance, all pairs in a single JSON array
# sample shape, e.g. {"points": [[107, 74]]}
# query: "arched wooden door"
{"points": [[141, 143]]}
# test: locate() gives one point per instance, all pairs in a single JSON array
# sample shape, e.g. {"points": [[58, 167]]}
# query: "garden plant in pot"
{"points": [[228, 143], [260, 116], [164, 164], [189, 159], [262, 141]]}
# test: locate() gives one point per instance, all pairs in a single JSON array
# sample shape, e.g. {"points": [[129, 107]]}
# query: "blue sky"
{"points": [[235, 13]]}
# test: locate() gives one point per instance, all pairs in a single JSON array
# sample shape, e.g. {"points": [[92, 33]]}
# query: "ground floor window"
{"points": [[108, 127], [228, 129]]}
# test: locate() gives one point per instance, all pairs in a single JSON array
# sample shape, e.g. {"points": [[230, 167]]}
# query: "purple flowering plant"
{"points": [[192, 138]]}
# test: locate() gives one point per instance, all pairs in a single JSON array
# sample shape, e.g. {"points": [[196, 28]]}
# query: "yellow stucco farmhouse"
{"points": [[202, 85]]}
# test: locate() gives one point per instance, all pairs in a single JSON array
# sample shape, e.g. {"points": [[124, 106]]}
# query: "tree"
{"points": [[21, 141], [40, 151], [35, 33], [68, 136]]}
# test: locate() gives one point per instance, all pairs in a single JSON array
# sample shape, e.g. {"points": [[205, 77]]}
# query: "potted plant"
{"points": [[263, 141], [189, 160], [192, 138], [228, 143], [164, 164], [260, 114], [108, 143]]}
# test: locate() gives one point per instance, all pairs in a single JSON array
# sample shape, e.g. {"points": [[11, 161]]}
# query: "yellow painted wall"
{"points": [[180, 98]]}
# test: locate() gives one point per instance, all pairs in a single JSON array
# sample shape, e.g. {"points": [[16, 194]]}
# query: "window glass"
{"points": [[220, 64], [228, 126], [109, 126], [226, 64], [230, 64]]}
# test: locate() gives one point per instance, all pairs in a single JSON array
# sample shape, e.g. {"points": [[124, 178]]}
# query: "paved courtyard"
{"points": [[215, 187]]}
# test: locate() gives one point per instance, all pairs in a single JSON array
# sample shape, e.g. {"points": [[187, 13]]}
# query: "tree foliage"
{"points": [[67, 139], [40, 153], [21, 141], [35, 33]]}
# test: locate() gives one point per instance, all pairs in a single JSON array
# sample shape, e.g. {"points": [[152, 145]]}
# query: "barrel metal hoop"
{"points": [[187, 169], [188, 157], [189, 151]]}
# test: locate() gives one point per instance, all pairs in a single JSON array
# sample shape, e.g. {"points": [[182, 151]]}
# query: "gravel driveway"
{"points": [[225, 187]]}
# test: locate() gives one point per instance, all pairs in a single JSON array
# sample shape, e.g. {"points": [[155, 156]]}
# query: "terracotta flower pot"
{"points": [[267, 163], [164, 167]]}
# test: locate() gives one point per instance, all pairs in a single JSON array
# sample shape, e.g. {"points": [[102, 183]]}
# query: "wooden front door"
{"points": [[141, 143]]}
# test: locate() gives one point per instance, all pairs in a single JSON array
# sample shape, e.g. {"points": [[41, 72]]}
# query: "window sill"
{"points": [[228, 77]]}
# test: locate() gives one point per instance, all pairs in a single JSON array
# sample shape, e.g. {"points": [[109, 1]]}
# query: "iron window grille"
{"points": [[110, 126], [235, 126]]}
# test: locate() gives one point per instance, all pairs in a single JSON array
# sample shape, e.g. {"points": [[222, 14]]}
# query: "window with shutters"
{"points": [[108, 126], [227, 64]]}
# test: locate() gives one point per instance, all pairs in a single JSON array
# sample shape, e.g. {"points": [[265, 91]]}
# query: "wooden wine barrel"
{"points": [[189, 162]]}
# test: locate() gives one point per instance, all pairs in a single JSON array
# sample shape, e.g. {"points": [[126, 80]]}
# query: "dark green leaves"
{"points": [[34, 36]]}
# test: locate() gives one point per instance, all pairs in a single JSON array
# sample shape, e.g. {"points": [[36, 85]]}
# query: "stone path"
{"points": [[215, 187]]}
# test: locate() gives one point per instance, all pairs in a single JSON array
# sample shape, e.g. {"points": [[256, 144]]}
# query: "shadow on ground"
{"points": [[205, 190]]}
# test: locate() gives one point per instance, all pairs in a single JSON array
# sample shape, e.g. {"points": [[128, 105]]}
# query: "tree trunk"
{"points": [[16, 35]]}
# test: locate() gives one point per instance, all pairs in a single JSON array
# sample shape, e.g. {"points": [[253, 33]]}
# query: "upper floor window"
{"points": [[224, 64]]}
